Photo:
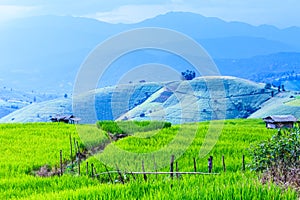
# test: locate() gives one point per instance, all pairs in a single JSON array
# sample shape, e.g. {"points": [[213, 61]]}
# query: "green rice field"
{"points": [[27, 147]]}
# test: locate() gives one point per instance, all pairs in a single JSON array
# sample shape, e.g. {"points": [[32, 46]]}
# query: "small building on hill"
{"points": [[280, 121]]}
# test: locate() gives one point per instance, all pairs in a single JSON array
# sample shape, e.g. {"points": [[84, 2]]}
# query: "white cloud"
{"points": [[256, 15], [9, 12]]}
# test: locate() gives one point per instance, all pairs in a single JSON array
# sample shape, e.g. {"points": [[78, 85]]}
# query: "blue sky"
{"points": [[275, 12]]}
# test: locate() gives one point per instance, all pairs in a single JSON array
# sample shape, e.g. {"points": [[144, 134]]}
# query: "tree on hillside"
{"points": [[188, 75], [268, 86]]}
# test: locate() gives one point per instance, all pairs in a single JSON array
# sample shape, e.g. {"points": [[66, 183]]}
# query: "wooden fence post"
{"points": [[71, 153], [75, 145], [87, 168], [95, 172], [78, 150], [92, 168], [61, 164], [223, 161], [177, 175], [155, 167], [172, 166], [78, 162], [120, 175], [143, 168], [195, 165], [210, 164], [108, 174]]}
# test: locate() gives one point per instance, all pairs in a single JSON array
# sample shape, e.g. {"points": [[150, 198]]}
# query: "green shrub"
{"points": [[278, 159], [283, 148], [130, 127], [110, 126]]}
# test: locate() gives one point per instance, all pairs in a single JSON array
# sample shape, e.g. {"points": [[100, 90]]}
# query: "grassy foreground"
{"points": [[27, 147]]}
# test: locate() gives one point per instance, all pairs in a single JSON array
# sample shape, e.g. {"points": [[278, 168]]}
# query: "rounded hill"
{"points": [[204, 98]]}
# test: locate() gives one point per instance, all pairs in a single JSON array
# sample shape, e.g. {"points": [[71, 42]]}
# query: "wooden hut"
{"points": [[280, 121], [71, 119], [74, 120]]}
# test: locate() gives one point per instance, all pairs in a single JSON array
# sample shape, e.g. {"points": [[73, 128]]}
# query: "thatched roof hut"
{"points": [[280, 121], [71, 119]]}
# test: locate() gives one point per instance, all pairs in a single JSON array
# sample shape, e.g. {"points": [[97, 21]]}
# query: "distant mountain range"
{"points": [[44, 53], [274, 68]]}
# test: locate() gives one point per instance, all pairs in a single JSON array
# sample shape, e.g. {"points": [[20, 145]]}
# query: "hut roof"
{"points": [[76, 119], [280, 118]]}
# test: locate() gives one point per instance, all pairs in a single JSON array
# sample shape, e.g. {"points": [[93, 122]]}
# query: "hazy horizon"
{"points": [[277, 13]]}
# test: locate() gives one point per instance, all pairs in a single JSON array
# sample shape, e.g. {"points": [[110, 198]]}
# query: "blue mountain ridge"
{"points": [[45, 52]]}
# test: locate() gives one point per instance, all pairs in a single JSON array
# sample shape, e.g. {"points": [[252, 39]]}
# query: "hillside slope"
{"points": [[201, 99], [204, 101], [12, 99], [39, 112], [279, 105]]}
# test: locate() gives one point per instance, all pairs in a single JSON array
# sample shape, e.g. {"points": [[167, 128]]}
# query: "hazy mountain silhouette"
{"points": [[45, 52]]}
